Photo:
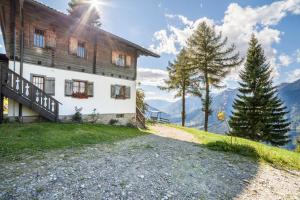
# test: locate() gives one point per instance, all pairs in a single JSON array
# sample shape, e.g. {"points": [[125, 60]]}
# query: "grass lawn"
{"points": [[276, 156], [17, 139]]}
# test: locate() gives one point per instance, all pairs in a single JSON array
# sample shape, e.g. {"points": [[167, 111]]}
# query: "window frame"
{"points": [[79, 86], [33, 76], [81, 49], [124, 55], [39, 38], [122, 96]]}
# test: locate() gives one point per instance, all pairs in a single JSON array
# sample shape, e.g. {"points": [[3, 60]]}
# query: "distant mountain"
{"points": [[161, 105], [288, 92]]}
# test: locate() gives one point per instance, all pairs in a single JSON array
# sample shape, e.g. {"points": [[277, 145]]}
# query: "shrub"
{"points": [[130, 125], [77, 117], [113, 121]]}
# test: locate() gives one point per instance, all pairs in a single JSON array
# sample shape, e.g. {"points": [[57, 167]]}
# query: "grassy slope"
{"points": [[32, 138], [276, 156]]}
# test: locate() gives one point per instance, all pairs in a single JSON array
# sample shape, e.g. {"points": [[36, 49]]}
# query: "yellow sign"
{"points": [[221, 116], [5, 111]]}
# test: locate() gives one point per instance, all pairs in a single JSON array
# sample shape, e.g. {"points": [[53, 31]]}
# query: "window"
{"points": [[119, 115], [44, 83], [79, 89], [121, 59], [39, 38], [81, 50], [38, 81], [120, 92]]}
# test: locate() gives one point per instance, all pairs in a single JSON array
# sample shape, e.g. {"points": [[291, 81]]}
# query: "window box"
{"points": [[80, 95]]}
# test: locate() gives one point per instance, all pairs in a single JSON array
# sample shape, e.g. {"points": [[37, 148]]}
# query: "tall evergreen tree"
{"points": [[86, 11], [179, 79], [212, 60], [258, 113]]}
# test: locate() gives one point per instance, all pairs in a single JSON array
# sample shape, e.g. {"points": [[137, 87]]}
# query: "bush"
{"points": [[77, 117], [130, 125], [113, 122]]}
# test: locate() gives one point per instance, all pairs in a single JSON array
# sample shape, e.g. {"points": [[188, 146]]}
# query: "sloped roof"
{"points": [[142, 50]]}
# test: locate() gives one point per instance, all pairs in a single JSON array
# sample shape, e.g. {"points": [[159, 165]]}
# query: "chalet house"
{"points": [[55, 63]]}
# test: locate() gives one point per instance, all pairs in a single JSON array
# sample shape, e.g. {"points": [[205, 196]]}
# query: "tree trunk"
{"points": [[183, 107], [206, 109]]}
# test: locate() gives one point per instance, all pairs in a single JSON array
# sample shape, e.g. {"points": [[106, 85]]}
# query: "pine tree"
{"points": [[84, 10], [180, 79], [212, 60], [258, 113]]}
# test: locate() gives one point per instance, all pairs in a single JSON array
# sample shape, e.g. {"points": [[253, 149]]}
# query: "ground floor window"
{"points": [[120, 92], [79, 89], [47, 84], [39, 81]]}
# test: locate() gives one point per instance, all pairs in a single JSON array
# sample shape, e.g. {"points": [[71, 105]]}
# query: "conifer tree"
{"points": [[180, 79], [84, 10], [258, 112], [212, 60]]}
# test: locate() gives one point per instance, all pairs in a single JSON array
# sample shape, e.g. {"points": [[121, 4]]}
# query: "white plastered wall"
{"points": [[102, 101]]}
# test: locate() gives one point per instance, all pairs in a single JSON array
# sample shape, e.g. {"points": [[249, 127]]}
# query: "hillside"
{"points": [[288, 92]]}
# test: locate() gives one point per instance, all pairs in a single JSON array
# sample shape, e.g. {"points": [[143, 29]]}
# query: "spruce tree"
{"points": [[84, 10], [258, 112], [180, 79], [212, 60]]}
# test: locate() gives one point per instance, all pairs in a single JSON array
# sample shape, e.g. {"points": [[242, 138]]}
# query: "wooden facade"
{"points": [[61, 35]]}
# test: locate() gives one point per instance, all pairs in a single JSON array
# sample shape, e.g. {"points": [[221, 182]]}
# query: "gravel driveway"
{"points": [[168, 165]]}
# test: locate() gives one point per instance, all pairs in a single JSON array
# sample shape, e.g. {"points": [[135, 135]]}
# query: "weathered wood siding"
{"points": [[64, 28]]}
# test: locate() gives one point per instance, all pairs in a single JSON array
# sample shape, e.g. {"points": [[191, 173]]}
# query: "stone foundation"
{"points": [[119, 119]]}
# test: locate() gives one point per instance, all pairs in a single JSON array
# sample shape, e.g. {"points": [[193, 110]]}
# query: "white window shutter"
{"points": [[113, 91]]}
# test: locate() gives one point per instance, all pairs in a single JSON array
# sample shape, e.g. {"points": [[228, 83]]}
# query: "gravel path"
{"points": [[168, 165]]}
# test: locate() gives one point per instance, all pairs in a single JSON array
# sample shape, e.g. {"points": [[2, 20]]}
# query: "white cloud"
{"points": [[166, 44], [285, 60], [151, 77], [298, 55], [238, 24], [171, 40], [295, 75]]}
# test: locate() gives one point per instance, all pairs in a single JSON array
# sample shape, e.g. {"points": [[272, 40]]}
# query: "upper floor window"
{"points": [[81, 50], [39, 38], [121, 59]]}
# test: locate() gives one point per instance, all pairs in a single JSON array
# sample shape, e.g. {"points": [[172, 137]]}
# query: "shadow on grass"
{"points": [[226, 146]]}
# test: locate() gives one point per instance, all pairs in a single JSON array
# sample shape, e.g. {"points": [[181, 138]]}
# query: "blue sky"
{"points": [[164, 25]]}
